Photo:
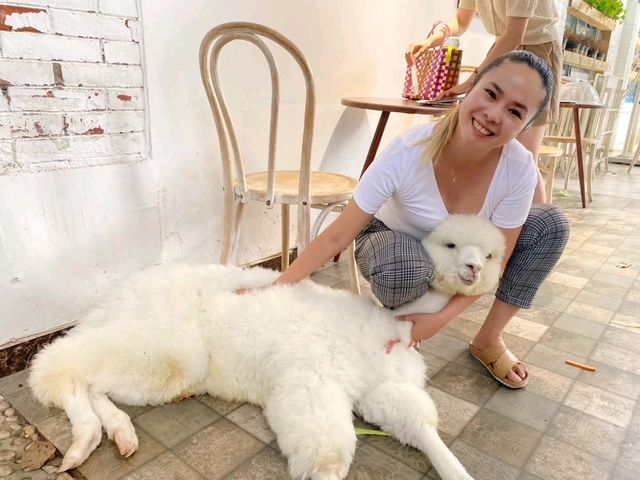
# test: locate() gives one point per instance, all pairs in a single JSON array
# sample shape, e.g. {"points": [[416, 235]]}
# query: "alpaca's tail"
{"points": [[59, 378], [443, 459]]}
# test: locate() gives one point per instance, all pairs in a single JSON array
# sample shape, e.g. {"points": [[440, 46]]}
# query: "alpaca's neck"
{"points": [[433, 301]]}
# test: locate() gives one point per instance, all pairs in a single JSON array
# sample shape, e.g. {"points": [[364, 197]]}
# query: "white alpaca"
{"points": [[307, 353]]}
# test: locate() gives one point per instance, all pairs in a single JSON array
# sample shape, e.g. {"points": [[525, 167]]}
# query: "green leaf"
{"points": [[368, 431]]}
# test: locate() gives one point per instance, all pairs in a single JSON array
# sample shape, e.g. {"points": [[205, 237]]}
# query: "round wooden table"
{"points": [[386, 106]]}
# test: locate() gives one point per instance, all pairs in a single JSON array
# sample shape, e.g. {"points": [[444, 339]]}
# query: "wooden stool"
{"points": [[547, 160]]}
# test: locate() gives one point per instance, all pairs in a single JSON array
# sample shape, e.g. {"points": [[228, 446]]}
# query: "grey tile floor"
{"points": [[567, 424]]}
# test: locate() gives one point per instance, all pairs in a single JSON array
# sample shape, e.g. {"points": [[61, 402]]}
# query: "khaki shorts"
{"points": [[550, 53]]}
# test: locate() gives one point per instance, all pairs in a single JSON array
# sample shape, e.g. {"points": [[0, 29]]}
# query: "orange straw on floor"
{"points": [[588, 368]]}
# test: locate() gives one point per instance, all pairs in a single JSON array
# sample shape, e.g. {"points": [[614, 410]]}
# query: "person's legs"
{"points": [[538, 249], [550, 52], [531, 138], [395, 264]]}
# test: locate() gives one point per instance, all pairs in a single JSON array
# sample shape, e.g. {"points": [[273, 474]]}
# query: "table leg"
{"points": [[373, 149], [578, 134], [375, 142]]}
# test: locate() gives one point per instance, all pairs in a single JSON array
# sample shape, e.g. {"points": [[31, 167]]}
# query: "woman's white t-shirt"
{"points": [[400, 187]]}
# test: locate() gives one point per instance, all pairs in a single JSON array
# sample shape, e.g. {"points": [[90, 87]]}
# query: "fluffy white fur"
{"points": [[307, 353]]}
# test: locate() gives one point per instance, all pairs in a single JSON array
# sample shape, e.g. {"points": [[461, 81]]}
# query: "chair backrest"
{"points": [[593, 119], [233, 172], [593, 122], [613, 95]]}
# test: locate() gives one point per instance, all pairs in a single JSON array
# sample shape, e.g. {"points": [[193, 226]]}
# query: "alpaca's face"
{"points": [[467, 251]]}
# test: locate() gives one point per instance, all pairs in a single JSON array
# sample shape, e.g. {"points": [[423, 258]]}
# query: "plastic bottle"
{"points": [[451, 42], [453, 60]]}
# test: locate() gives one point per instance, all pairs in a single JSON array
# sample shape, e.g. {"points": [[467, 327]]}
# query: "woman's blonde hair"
{"points": [[441, 135]]}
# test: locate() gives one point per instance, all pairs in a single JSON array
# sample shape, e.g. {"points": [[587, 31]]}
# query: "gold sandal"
{"points": [[499, 361]]}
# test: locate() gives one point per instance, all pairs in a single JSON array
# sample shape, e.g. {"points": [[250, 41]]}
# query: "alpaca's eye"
{"points": [[488, 257], [451, 245]]}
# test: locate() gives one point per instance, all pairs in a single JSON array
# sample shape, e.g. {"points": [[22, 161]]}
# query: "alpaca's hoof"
{"points": [[83, 445], [126, 440]]}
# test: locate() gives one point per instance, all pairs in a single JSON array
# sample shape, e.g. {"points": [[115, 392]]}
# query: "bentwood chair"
{"points": [[302, 188]]}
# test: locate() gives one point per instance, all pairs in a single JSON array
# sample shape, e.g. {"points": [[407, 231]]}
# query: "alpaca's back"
{"points": [[176, 330], [144, 344]]}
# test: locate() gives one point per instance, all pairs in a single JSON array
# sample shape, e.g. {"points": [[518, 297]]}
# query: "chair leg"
{"points": [[567, 173], [304, 227], [353, 269], [284, 262], [591, 171], [551, 173], [228, 229], [235, 235], [634, 160]]}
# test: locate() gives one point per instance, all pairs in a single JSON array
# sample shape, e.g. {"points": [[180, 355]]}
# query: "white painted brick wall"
{"points": [[15, 72], [20, 125], [6, 154], [126, 8], [105, 122], [121, 52], [71, 84], [125, 99], [69, 4], [4, 103], [134, 26], [101, 75], [79, 24], [37, 46], [28, 19], [56, 100], [36, 150]]}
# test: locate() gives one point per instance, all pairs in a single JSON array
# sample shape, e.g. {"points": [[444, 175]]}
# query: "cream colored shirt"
{"points": [[542, 15]]}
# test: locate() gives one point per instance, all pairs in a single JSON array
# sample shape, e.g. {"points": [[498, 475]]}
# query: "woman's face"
{"points": [[500, 105]]}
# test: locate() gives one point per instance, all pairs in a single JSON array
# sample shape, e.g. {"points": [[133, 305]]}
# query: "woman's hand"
{"points": [[425, 325], [415, 50], [459, 89]]}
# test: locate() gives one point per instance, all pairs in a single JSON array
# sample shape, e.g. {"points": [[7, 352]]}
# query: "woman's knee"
{"points": [[550, 223], [395, 286], [397, 267]]}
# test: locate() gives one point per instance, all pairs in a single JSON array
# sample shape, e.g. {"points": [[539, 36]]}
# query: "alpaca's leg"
{"points": [[86, 431], [314, 427], [116, 423], [409, 414]]}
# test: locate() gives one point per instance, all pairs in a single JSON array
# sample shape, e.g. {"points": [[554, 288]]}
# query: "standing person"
{"points": [[517, 24], [470, 163]]}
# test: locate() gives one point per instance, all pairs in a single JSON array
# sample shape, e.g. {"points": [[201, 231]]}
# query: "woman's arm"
{"points": [[511, 39], [334, 239], [425, 325], [457, 26]]}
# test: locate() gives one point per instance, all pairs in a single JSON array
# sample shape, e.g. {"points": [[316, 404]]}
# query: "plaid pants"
{"points": [[400, 270]]}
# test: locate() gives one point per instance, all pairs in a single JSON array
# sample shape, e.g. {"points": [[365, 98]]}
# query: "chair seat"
{"points": [[549, 151], [325, 187], [560, 139]]}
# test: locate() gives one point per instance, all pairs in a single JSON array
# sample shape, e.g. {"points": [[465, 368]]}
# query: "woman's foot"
{"points": [[500, 362]]}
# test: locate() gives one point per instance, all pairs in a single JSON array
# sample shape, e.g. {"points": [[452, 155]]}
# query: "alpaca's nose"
{"points": [[474, 267]]}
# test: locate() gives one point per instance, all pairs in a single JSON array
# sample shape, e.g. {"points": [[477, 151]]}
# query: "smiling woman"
{"points": [[469, 163], [530, 25]]}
